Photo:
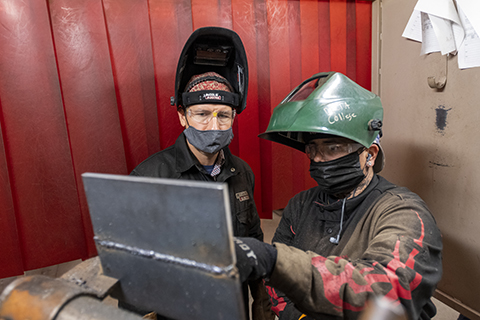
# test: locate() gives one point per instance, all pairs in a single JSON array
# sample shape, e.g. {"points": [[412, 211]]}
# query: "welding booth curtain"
{"points": [[85, 86]]}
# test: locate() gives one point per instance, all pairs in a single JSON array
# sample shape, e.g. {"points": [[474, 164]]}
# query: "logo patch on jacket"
{"points": [[242, 196]]}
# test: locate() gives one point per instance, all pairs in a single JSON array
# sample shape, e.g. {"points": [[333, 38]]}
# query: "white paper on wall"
{"points": [[471, 8], [469, 52], [413, 30], [439, 24], [429, 39]]}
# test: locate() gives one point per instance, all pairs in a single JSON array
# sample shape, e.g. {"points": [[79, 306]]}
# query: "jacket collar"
{"points": [[330, 206], [184, 158]]}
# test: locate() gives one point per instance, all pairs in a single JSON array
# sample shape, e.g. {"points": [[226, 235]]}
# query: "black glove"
{"points": [[255, 259]]}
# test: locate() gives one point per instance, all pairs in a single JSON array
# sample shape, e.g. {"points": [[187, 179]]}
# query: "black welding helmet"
{"points": [[213, 49]]}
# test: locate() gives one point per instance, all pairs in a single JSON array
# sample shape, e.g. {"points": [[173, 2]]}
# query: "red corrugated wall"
{"points": [[85, 86]]}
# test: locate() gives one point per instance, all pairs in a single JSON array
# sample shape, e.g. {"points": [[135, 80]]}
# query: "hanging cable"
{"points": [[337, 239]]}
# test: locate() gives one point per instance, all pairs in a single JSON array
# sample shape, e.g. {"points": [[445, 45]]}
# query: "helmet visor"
{"points": [[306, 88]]}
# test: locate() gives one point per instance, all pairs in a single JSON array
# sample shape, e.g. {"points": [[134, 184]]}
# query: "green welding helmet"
{"points": [[326, 104]]}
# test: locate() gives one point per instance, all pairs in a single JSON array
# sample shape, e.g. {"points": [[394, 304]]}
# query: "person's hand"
{"points": [[255, 259]]}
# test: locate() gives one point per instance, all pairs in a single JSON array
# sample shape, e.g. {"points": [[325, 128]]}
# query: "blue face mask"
{"points": [[209, 141]]}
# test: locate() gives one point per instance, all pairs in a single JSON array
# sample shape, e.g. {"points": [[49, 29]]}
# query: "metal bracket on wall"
{"points": [[439, 82]]}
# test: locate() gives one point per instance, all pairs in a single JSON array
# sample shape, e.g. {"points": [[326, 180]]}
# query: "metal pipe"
{"points": [[89, 308]]}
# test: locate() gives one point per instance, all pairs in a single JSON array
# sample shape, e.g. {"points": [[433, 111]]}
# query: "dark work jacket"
{"points": [[178, 162], [389, 246]]}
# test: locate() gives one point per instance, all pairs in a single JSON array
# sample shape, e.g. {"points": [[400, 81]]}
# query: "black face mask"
{"points": [[339, 176]]}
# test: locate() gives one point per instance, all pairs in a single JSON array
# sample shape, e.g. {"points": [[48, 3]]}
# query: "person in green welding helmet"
{"points": [[355, 235]]}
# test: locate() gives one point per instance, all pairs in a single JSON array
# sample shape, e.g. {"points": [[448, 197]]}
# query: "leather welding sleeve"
{"points": [[401, 261]]}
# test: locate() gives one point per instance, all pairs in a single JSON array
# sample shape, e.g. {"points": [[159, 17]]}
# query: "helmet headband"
{"points": [[210, 96]]}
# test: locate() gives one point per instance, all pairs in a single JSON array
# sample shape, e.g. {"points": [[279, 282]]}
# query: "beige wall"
{"points": [[431, 140]]}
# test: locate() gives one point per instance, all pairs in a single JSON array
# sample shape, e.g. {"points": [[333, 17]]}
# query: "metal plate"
{"points": [[169, 242]]}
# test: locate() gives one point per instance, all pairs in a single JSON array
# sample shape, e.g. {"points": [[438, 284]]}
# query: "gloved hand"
{"points": [[255, 259]]}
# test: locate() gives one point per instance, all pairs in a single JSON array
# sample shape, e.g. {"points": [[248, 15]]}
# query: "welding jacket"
{"points": [[178, 162], [390, 246]]}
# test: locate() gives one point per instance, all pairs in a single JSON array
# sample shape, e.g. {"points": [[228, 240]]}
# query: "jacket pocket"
{"points": [[242, 220]]}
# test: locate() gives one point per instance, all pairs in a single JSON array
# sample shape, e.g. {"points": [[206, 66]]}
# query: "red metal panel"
{"points": [[36, 141], [338, 35], [110, 110], [351, 31], [249, 120], [324, 64], [300, 30], [310, 38], [279, 49], [205, 13], [296, 42], [132, 60], [364, 43], [264, 103], [171, 25], [89, 93], [211, 13], [10, 254]]}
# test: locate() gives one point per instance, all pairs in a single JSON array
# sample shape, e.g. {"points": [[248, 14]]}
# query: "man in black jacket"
{"points": [[210, 90], [201, 153]]}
